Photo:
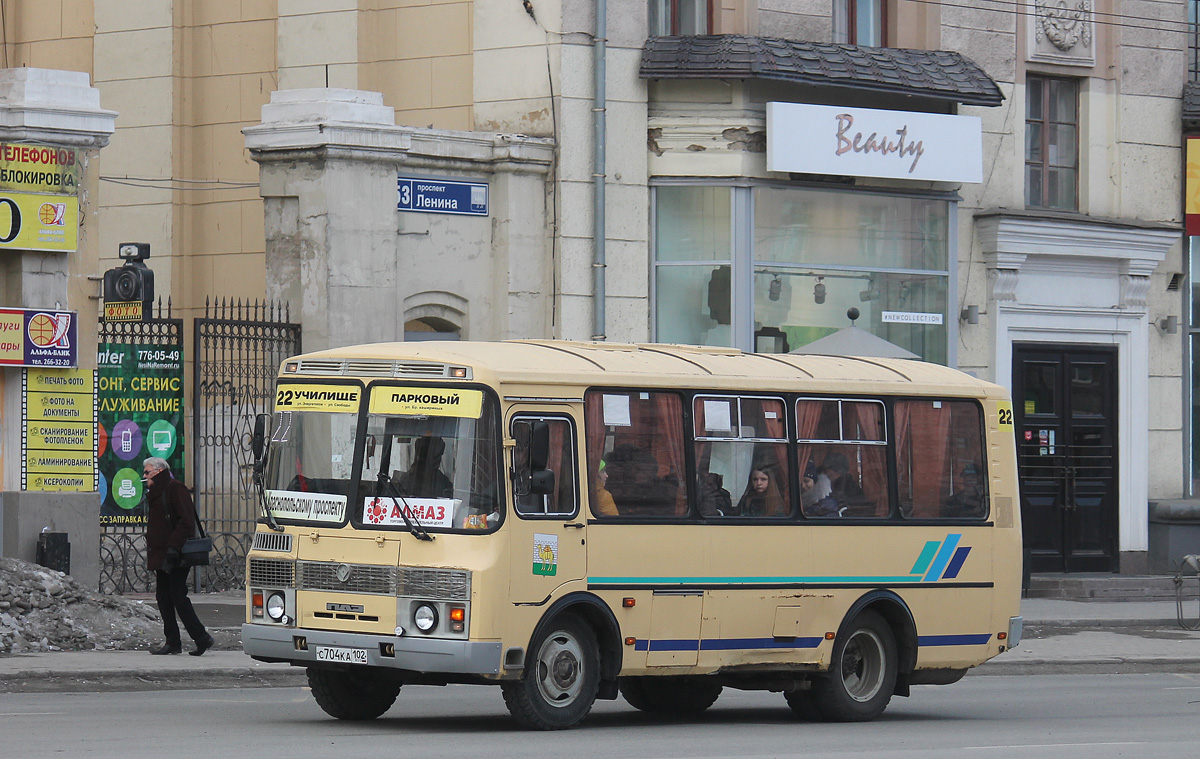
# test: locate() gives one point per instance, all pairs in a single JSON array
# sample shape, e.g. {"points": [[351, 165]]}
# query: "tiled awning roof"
{"points": [[934, 74]]}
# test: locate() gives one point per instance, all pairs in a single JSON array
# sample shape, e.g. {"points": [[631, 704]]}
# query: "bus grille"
{"points": [[443, 584], [272, 541], [272, 572], [370, 368], [364, 578]]}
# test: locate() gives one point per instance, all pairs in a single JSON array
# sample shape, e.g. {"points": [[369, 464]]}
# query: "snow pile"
{"points": [[45, 610]]}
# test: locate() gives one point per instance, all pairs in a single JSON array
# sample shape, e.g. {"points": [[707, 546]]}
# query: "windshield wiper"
{"points": [[415, 527], [263, 501]]}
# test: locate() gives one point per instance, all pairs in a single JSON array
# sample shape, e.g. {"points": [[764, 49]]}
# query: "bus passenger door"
{"points": [[546, 529]]}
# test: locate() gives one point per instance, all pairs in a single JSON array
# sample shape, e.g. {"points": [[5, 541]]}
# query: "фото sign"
{"points": [[868, 142], [33, 337], [442, 196], [140, 398]]}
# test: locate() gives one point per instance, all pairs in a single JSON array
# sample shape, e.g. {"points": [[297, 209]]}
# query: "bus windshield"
{"points": [[433, 456], [310, 461]]}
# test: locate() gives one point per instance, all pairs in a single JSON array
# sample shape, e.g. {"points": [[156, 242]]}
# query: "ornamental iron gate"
{"points": [[123, 546], [238, 349]]}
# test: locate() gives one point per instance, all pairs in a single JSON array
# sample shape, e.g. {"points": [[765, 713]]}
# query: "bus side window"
{"points": [[939, 459], [562, 501]]}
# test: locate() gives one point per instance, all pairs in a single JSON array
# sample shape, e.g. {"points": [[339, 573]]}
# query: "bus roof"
{"points": [[560, 362]]}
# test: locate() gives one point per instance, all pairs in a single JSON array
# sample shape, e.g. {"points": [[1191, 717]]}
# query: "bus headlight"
{"points": [[425, 618], [276, 606]]}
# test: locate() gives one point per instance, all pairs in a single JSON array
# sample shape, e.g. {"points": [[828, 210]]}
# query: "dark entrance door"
{"points": [[1065, 403]]}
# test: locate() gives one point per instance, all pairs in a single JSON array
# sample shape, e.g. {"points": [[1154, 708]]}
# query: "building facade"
{"points": [[993, 186]]}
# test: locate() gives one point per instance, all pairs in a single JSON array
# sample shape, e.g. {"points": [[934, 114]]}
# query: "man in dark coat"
{"points": [[171, 520]]}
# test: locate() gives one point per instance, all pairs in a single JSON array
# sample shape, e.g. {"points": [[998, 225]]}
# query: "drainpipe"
{"points": [[598, 168]]}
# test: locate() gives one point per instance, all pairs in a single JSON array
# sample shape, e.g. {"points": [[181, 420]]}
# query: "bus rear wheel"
{"points": [[350, 694], [678, 696], [862, 676], [561, 678]]}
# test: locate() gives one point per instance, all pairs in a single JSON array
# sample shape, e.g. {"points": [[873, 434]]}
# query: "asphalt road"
{"points": [[1062, 717]]}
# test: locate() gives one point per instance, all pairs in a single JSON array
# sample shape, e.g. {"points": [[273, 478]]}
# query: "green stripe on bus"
{"points": [[926, 556]]}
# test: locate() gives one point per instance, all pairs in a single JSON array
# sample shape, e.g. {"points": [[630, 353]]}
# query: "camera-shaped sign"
{"points": [[129, 289]]}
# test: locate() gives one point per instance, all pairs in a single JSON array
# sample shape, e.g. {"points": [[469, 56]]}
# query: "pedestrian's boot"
{"points": [[167, 648]]}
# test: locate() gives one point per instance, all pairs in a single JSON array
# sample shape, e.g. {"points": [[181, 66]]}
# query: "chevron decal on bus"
{"points": [[941, 559]]}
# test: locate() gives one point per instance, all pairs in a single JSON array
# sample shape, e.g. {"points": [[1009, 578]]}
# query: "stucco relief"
{"points": [[1062, 31]]}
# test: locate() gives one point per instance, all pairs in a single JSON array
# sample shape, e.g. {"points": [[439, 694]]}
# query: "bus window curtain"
{"points": [[921, 438]]}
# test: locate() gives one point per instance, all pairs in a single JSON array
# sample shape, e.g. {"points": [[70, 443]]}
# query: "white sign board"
{"points": [[867, 142]]}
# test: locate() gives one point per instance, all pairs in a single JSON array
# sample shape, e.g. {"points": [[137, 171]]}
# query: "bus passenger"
{"points": [[604, 505], [969, 500], [844, 493], [814, 486], [424, 479], [762, 497]]}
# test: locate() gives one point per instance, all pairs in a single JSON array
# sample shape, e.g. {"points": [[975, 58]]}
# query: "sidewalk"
{"points": [[1060, 637]]}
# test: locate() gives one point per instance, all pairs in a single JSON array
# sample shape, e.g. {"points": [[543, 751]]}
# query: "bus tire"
{"points": [[352, 694], [801, 704], [561, 678], [676, 696], [862, 674]]}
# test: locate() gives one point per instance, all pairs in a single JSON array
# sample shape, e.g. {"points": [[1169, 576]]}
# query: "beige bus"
{"points": [[574, 521]]}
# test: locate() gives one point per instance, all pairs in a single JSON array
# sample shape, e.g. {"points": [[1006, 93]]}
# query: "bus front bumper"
{"points": [[303, 646]]}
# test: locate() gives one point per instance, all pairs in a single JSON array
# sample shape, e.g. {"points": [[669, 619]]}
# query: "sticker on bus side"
{"points": [[317, 398], [427, 401], [545, 554], [1004, 410], [309, 507]]}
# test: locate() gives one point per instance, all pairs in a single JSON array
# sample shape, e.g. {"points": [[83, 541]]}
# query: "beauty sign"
{"points": [[869, 142]]}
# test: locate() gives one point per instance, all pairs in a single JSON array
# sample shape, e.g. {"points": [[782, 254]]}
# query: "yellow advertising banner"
{"points": [[1191, 187], [60, 437], [39, 222], [82, 483], [39, 168], [297, 397], [60, 407], [427, 401], [79, 436], [64, 462]]}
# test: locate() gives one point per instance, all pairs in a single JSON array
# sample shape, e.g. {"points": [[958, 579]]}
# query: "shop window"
{"points": [[1051, 143], [939, 459], [860, 22], [741, 457], [843, 452], [771, 269], [693, 280], [680, 17], [638, 436]]}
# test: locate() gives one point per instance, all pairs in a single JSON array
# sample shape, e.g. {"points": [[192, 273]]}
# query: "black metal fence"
{"points": [[238, 349], [123, 547]]}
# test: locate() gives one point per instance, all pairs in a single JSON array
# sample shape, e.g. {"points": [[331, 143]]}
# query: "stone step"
{"points": [[1102, 587]]}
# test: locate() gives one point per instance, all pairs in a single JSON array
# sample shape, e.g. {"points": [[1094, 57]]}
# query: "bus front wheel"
{"points": [[862, 675], [561, 678], [352, 694]]}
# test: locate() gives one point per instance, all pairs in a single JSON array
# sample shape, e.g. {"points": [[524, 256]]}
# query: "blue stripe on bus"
{"points": [[927, 554], [725, 644], [956, 563], [943, 557], [953, 640]]}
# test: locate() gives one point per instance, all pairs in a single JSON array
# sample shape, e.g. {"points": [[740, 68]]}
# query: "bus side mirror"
{"points": [[258, 439], [539, 445], [541, 479]]}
